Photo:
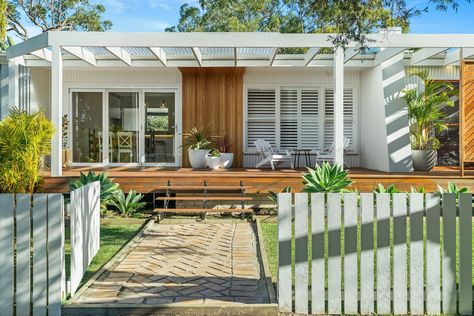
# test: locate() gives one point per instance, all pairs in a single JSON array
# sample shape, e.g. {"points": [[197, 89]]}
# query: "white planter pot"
{"points": [[213, 162], [226, 160], [197, 158]]}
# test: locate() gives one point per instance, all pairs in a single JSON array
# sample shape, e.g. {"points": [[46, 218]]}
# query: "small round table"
{"points": [[301, 151]]}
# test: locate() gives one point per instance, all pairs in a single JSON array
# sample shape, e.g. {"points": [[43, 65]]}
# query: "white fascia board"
{"points": [[43, 54], [81, 53], [160, 54], [350, 53], [425, 53], [454, 56], [120, 53], [386, 54], [310, 54], [197, 55], [28, 46]]}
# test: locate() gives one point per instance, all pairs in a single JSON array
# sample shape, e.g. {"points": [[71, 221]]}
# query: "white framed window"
{"points": [[297, 117]]}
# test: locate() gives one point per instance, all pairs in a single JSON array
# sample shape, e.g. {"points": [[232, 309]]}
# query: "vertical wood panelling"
{"points": [[367, 254], [318, 292], [334, 260], [465, 254], [301, 253], [449, 253], [23, 255], [468, 111], [416, 254], [213, 100], [350, 257], [7, 204], [285, 292], [383, 253], [40, 274], [400, 254]]}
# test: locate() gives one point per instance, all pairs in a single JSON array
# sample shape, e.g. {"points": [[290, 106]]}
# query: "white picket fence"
{"points": [[384, 255], [31, 254], [85, 230]]}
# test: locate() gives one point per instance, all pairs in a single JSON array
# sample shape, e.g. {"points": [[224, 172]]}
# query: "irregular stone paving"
{"points": [[185, 263]]}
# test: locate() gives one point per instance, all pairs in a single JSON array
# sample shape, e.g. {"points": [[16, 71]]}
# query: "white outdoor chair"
{"points": [[328, 156], [269, 155], [125, 145], [111, 145]]}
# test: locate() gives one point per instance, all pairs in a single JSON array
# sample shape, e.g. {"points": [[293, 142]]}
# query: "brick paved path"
{"points": [[185, 263]]}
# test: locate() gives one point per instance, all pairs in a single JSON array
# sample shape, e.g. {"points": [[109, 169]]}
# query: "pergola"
{"points": [[117, 49]]}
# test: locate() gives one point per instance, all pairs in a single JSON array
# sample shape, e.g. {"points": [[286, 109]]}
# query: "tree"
{"points": [[350, 19], [55, 15]]}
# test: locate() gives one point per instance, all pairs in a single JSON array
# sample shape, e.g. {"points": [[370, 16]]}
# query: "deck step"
{"points": [[203, 198], [202, 210], [202, 188]]}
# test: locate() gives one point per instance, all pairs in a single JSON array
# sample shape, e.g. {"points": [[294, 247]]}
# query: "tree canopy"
{"points": [[351, 19]]}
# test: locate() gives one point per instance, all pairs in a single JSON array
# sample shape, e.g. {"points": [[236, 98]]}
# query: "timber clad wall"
{"points": [[212, 99], [468, 111]]}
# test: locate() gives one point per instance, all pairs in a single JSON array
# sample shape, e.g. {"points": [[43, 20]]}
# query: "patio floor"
{"points": [[198, 264]]}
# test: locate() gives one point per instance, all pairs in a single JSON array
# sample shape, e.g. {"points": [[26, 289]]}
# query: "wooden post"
{"points": [[461, 112], [56, 110]]}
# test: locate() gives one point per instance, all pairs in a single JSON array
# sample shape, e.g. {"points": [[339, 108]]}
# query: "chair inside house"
{"points": [[111, 145], [271, 156], [328, 156], [125, 145]]}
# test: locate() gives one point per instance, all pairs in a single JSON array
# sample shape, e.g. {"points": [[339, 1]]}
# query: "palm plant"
{"points": [[128, 205], [425, 111], [326, 178], [196, 139], [24, 140]]}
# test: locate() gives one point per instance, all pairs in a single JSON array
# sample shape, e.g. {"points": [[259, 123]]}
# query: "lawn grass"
{"points": [[114, 234]]}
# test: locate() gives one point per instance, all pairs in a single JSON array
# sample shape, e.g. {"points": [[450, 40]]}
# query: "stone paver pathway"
{"points": [[185, 263]]}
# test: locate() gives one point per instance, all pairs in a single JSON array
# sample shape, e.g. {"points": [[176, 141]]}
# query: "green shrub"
{"points": [[326, 178], [128, 205], [391, 189], [24, 140], [108, 189]]}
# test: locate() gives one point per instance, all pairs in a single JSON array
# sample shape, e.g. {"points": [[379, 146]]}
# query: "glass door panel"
{"points": [[159, 128], [87, 127], [123, 127]]}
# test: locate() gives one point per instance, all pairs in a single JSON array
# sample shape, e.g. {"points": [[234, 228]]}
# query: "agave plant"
{"points": [[452, 188], [108, 189], [128, 205], [326, 178], [391, 189], [273, 196]]}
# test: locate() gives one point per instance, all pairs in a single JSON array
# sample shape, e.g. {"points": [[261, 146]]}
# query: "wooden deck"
{"points": [[148, 179]]}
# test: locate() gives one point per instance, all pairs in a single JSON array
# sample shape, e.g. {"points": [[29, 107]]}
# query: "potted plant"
{"points": [[426, 118], [223, 145], [67, 152], [198, 147], [213, 159]]}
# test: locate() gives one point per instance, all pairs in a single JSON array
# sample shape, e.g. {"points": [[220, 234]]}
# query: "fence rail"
{"points": [[375, 253], [31, 254]]}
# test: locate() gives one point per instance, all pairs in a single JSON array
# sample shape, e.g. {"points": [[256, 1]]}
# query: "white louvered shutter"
{"points": [[349, 117], [260, 116], [288, 118], [309, 136]]}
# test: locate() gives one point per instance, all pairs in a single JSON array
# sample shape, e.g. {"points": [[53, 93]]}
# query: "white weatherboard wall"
{"points": [[40, 90]]}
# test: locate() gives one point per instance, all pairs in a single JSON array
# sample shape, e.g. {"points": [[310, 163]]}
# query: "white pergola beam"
{"points": [[28, 46], [43, 54], [350, 53], [121, 54], [273, 56], [386, 54], [310, 54], [425, 53], [197, 54], [160, 54], [82, 53], [338, 84], [454, 55], [56, 110], [236, 58]]}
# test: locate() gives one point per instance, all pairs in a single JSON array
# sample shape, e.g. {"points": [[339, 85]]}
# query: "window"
{"points": [[291, 117]]}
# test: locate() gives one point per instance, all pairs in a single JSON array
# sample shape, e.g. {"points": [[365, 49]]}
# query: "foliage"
{"points": [[65, 127], [24, 140], [196, 139], [352, 19], [379, 188], [157, 123], [326, 178], [214, 153], [223, 144], [452, 188], [425, 110], [273, 196], [418, 190], [3, 19], [54, 15], [108, 189], [127, 205]]}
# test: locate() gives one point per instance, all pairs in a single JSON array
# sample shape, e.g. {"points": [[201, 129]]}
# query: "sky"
{"points": [[156, 15]]}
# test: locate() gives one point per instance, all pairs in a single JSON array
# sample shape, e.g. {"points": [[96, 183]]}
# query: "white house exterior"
{"points": [[308, 100]]}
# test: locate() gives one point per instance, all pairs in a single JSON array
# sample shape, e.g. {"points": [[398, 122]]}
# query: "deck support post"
{"points": [[338, 83], [56, 110]]}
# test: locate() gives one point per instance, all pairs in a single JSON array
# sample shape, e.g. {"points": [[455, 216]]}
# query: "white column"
{"points": [[56, 110], [13, 84], [338, 82]]}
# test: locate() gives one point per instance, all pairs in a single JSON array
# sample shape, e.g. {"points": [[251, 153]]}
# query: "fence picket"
{"points": [[23, 254], [383, 253], [367, 254], [400, 289], [350, 256], [55, 252], [318, 295], [334, 260], [301, 253], [6, 247], [284, 252], [465, 254], [433, 270], [416, 254], [39, 215], [449, 253]]}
